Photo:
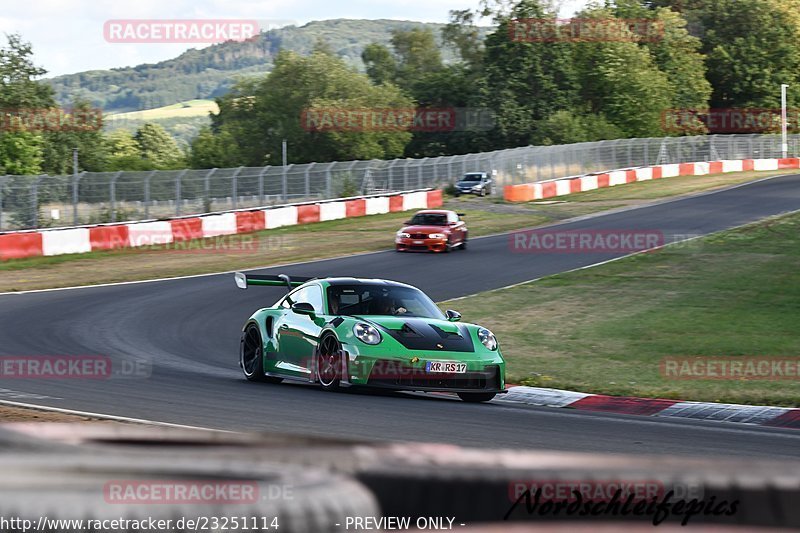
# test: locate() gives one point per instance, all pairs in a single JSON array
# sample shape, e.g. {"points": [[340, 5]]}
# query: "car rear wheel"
{"points": [[464, 243], [329, 363], [476, 397], [251, 356]]}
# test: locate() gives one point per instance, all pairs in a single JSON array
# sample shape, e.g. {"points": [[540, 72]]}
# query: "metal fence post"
{"points": [[235, 187], [35, 201], [285, 182], [350, 170], [261, 184], [112, 196], [207, 190], [419, 173], [147, 193], [329, 181], [178, 192], [76, 180], [405, 175], [308, 179], [436, 169]]}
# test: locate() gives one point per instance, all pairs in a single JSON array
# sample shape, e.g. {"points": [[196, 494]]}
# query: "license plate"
{"points": [[445, 367], [419, 242]]}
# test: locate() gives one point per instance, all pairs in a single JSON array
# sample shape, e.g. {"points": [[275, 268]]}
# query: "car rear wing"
{"points": [[243, 280]]}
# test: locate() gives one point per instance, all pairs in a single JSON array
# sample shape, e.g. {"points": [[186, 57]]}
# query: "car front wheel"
{"points": [[329, 363]]}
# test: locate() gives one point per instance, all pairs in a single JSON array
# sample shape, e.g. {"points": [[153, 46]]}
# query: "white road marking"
{"points": [[104, 416]]}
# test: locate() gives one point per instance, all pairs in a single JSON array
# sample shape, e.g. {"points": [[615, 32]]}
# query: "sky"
{"points": [[68, 35]]}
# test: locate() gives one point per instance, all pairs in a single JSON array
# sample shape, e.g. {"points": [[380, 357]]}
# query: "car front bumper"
{"points": [[420, 245], [484, 372]]}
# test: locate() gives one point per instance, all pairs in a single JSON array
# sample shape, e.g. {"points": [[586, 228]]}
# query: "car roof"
{"points": [[362, 281], [433, 212]]}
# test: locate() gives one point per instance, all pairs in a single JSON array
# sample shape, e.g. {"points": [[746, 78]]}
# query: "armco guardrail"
{"points": [[83, 239], [527, 192]]}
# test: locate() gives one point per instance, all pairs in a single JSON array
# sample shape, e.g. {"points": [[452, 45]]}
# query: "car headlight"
{"points": [[437, 236], [366, 333], [487, 338], [477, 187], [403, 235]]}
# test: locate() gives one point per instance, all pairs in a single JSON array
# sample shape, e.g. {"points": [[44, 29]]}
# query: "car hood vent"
{"points": [[425, 334], [408, 331]]}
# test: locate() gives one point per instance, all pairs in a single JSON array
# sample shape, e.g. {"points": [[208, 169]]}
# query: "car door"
{"points": [[298, 334]]}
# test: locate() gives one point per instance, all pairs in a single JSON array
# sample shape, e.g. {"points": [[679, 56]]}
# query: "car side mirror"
{"points": [[452, 316], [407, 222], [304, 308], [461, 214]]}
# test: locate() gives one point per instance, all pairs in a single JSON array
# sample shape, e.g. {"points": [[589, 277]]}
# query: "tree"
{"points": [[21, 148], [260, 112], [417, 53], [524, 81], [462, 34], [214, 151], [677, 54], [20, 153], [81, 130], [158, 147], [380, 64], [752, 48], [123, 152], [567, 127], [18, 85]]}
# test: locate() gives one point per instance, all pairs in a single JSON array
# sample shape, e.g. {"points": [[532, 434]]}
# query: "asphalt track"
{"points": [[189, 330]]}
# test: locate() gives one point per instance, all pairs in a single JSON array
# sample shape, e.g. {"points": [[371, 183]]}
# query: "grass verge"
{"points": [[24, 414], [606, 329]]}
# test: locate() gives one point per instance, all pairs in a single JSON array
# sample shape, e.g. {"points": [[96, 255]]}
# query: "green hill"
{"points": [[210, 72]]}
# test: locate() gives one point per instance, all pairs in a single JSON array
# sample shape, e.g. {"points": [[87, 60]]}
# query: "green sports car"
{"points": [[343, 332]]}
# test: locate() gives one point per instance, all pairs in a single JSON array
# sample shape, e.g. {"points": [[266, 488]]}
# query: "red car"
{"points": [[432, 230]]}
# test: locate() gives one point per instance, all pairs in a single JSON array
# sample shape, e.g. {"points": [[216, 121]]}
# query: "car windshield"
{"points": [[429, 219], [471, 179], [380, 300]]}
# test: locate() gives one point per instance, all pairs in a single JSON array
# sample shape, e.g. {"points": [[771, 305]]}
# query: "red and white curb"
{"points": [[784, 417], [541, 190], [83, 239]]}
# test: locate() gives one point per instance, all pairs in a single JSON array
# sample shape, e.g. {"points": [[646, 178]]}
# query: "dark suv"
{"points": [[474, 183]]}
